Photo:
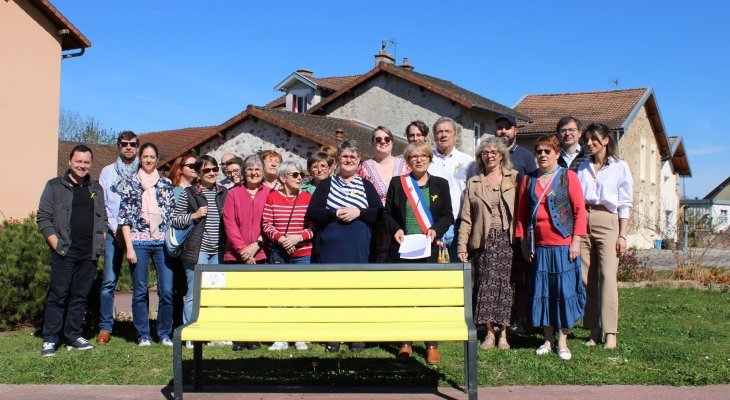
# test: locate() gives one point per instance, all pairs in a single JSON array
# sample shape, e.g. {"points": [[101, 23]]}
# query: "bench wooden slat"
{"points": [[332, 314], [326, 332], [343, 279], [331, 297]]}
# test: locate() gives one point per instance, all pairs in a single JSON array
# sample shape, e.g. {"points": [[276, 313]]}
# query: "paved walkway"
{"points": [[623, 392]]}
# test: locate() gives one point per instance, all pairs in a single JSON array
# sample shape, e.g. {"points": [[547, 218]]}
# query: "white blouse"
{"points": [[611, 187]]}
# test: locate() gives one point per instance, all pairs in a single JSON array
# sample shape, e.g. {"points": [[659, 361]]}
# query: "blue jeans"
{"points": [[301, 260], [113, 256], [451, 239], [203, 258], [140, 308]]}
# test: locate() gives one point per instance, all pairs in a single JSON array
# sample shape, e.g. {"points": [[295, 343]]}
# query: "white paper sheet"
{"points": [[214, 279], [415, 246]]}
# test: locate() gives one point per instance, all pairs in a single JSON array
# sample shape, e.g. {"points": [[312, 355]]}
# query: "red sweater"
{"points": [[545, 233], [276, 216], [242, 221]]}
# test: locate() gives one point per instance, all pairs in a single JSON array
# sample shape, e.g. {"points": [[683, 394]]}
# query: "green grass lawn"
{"points": [[667, 337]]}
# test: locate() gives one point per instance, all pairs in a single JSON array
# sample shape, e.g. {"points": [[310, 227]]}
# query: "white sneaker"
{"points": [[301, 346], [189, 345], [279, 346], [220, 343], [166, 342], [144, 342]]}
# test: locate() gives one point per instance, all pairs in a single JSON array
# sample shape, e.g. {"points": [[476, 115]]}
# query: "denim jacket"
{"points": [[558, 201]]}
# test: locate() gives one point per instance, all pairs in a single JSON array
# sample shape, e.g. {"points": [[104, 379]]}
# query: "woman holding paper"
{"points": [[551, 220], [485, 238], [418, 205]]}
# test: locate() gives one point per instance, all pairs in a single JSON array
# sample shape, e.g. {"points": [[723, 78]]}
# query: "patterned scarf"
{"points": [[125, 173], [150, 209]]}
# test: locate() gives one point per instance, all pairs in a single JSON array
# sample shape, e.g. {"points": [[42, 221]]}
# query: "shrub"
{"points": [[706, 276], [24, 272], [630, 269]]}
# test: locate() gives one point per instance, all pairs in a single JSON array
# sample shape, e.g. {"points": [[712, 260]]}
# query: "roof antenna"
{"points": [[392, 42], [614, 82]]}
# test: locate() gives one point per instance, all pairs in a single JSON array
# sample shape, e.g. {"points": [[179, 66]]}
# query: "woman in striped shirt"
{"points": [[202, 205], [284, 225]]}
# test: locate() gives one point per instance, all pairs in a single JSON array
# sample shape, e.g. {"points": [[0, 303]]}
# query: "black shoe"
{"points": [[238, 346], [253, 345], [332, 347], [357, 347]]}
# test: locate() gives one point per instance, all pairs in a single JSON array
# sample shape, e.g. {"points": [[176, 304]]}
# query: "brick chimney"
{"points": [[406, 65], [384, 57], [306, 73]]}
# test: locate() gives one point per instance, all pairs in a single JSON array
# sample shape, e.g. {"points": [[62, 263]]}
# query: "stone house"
{"points": [[312, 109], [36, 38], [634, 119]]}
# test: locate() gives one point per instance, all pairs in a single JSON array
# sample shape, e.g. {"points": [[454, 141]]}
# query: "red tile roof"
{"points": [[279, 102], [103, 156], [442, 87], [74, 39], [334, 83], [174, 142], [609, 107]]}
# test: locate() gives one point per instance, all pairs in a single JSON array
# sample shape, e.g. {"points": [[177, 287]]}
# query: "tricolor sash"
{"points": [[417, 202]]}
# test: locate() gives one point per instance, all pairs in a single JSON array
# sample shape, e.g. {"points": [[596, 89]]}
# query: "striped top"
{"points": [[347, 194], [277, 210], [211, 242]]}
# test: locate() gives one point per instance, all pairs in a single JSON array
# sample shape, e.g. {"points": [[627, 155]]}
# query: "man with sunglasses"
{"points": [[522, 159], [113, 179], [569, 131]]}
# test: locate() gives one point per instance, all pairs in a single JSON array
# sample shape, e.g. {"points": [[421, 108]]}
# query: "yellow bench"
{"points": [[330, 303]]}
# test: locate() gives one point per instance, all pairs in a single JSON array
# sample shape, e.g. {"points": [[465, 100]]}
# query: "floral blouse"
{"points": [[130, 210]]}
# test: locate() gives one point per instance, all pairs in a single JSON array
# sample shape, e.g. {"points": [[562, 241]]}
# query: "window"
{"points": [[642, 160], [723, 217], [653, 164], [477, 134], [299, 104]]}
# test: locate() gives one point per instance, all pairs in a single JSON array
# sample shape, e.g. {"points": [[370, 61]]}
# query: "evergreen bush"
{"points": [[24, 272]]}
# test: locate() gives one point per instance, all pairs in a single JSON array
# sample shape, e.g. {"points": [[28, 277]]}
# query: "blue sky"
{"points": [[158, 65]]}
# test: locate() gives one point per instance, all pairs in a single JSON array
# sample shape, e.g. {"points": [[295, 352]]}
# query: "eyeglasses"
{"points": [[545, 151], [296, 175], [191, 165], [382, 139], [129, 144], [569, 130], [418, 157], [233, 172], [349, 157], [209, 170], [490, 153]]}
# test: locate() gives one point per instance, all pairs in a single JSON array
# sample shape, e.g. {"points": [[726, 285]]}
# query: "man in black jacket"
{"points": [[569, 131], [72, 217]]}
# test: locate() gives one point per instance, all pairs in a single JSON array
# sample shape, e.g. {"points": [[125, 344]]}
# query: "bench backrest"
{"points": [[333, 293]]}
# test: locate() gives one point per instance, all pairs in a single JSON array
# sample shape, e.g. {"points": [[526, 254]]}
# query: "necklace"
{"points": [[549, 172]]}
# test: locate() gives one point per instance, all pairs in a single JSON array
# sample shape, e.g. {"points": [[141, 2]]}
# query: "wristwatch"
{"points": [[260, 243]]}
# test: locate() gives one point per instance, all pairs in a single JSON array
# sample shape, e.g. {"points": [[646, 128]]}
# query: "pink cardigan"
{"points": [[242, 219]]}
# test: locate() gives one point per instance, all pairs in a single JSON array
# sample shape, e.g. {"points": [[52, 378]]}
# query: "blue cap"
{"points": [[508, 117]]}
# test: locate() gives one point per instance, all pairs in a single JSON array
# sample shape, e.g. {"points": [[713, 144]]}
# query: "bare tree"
{"points": [[74, 127]]}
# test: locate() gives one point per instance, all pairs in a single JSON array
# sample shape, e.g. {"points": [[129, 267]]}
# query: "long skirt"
{"points": [[555, 289], [494, 288]]}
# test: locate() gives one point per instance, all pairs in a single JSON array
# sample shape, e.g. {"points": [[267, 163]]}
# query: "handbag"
{"points": [[277, 253], [174, 239]]}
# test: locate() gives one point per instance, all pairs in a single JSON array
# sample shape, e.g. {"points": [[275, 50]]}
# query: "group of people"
{"points": [[543, 232]]}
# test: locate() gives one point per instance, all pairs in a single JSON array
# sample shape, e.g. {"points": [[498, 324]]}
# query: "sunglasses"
{"points": [[208, 170], [545, 151], [384, 139], [128, 144], [296, 175], [191, 165]]}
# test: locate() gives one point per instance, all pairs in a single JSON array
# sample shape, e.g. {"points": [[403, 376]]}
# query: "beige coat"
{"points": [[476, 214]]}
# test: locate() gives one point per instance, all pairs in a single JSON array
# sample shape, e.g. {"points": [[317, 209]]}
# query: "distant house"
{"points": [[710, 213], [35, 36], [311, 109], [636, 124]]}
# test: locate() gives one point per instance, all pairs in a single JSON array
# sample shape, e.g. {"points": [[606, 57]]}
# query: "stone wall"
{"points": [[638, 147], [393, 102], [249, 137]]}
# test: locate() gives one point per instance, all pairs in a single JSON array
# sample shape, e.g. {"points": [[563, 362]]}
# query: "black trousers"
{"points": [[72, 276]]}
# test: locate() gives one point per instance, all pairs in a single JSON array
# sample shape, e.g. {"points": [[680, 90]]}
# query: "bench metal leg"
{"points": [[198, 365], [470, 369], [177, 380]]}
